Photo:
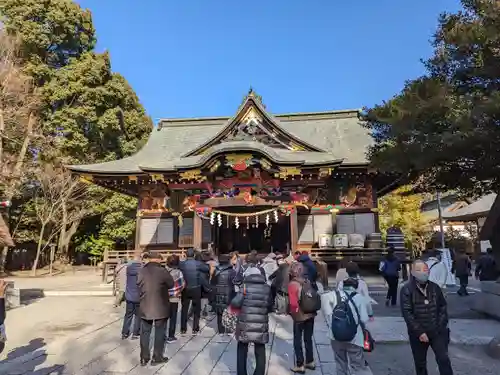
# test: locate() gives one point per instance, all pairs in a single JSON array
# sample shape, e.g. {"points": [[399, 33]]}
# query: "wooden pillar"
{"points": [[294, 231], [137, 245], [197, 231]]}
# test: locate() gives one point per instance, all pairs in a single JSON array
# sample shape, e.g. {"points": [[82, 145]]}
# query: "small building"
{"points": [[450, 203], [258, 181]]}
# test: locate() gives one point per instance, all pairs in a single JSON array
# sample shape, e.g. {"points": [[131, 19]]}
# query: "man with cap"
{"points": [[154, 282], [425, 312]]}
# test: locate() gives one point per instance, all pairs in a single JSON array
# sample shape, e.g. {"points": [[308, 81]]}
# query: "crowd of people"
{"points": [[243, 291]]}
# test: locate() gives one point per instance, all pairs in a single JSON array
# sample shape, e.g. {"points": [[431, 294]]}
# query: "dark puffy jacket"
{"points": [[224, 288], [280, 278], [309, 267], [131, 288], [195, 273], [253, 321], [486, 268], [431, 318]]}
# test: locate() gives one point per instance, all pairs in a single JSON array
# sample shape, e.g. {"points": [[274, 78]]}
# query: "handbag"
{"points": [[229, 319], [368, 340]]}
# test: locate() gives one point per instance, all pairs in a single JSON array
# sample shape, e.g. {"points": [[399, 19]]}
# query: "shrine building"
{"points": [[281, 182]]}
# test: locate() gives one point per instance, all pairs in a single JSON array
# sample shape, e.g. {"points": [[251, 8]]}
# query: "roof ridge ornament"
{"points": [[253, 94]]}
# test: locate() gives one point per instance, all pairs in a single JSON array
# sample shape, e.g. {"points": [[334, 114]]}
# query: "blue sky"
{"points": [[193, 58]]}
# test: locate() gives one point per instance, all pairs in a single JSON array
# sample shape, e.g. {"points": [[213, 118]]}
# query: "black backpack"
{"points": [[310, 300], [344, 326]]}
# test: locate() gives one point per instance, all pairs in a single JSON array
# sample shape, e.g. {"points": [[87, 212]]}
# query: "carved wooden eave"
{"points": [[253, 123]]}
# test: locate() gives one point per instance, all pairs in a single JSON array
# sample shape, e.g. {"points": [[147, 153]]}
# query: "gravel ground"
{"points": [[396, 359]]}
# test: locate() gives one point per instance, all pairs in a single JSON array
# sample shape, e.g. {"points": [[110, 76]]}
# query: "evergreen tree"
{"points": [[442, 130], [88, 114]]}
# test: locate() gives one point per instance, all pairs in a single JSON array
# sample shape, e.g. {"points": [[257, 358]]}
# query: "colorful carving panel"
{"points": [[155, 198], [355, 195]]}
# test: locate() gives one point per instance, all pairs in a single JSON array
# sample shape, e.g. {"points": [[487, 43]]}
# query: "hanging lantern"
{"points": [[267, 220], [248, 222], [212, 218], [276, 218], [236, 222], [219, 220]]}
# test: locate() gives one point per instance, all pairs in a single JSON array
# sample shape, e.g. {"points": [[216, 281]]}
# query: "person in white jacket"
{"points": [[352, 271], [349, 356], [438, 272]]}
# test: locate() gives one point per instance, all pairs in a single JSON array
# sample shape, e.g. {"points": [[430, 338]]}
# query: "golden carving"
{"points": [[296, 147], [214, 166], [132, 178], [287, 172], [325, 172], [235, 158], [251, 115], [157, 177], [265, 164], [87, 177], [194, 174]]}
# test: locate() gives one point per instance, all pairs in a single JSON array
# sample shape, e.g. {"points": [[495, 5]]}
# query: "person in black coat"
{"points": [[195, 274], [486, 267], [154, 282], [280, 279], [462, 268], [3, 288], [253, 321], [223, 288], [425, 312]]}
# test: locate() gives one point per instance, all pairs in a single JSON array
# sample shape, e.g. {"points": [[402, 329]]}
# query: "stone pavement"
{"points": [[98, 350]]}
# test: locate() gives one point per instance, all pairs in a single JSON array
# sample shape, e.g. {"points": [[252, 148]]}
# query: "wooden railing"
{"points": [[112, 257], [361, 255]]}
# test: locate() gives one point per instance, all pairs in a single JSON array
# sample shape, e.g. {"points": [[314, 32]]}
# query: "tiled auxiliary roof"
{"points": [[338, 134]]}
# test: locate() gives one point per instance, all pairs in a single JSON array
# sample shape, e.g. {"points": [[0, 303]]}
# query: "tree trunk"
{"points": [[2, 129], [62, 233], [16, 171], [5, 250], [38, 250], [51, 260], [3, 258]]}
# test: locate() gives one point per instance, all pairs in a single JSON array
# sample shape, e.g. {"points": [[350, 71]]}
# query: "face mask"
{"points": [[421, 277]]}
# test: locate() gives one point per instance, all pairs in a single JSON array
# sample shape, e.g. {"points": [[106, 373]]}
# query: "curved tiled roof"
{"points": [[279, 156], [479, 208], [339, 133]]}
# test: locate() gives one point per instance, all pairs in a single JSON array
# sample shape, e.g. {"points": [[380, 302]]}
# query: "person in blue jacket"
{"points": [[311, 273], [132, 300]]}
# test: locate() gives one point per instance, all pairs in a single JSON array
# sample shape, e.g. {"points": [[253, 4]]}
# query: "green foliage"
{"points": [[91, 113], [401, 209], [88, 113], [96, 246], [442, 130], [51, 32]]}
